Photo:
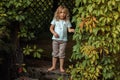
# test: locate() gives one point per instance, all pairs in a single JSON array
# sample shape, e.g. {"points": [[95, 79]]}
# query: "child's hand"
{"points": [[71, 30], [56, 35]]}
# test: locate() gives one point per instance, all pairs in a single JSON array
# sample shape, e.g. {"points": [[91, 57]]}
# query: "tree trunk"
{"points": [[17, 56]]}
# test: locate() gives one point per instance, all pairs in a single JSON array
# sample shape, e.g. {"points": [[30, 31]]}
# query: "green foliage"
{"points": [[12, 12], [4, 40], [25, 33], [27, 14], [97, 39], [16, 9], [60, 78], [32, 50], [19, 12]]}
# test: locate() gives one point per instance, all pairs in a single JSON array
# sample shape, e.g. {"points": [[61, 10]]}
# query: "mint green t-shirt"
{"points": [[61, 27]]}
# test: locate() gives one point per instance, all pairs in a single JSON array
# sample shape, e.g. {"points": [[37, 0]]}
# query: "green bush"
{"points": [[22, 20], [97, 39]]}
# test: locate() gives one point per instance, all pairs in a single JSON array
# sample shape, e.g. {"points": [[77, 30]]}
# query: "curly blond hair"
{"points": [[57, 12]]}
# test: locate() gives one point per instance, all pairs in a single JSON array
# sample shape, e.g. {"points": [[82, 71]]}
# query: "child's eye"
{"points": [[61, 12]]}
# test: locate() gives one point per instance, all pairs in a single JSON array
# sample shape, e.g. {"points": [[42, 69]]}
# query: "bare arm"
{"points": [[71, 30], [53, 32]]}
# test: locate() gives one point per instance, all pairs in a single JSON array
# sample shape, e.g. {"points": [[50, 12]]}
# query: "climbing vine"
{"points": [[97, 40]]}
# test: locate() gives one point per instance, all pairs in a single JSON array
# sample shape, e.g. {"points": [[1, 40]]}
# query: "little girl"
{"points": [[59, 27]]}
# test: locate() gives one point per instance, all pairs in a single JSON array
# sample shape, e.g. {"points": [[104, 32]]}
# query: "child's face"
{"points": [[62, 14]]}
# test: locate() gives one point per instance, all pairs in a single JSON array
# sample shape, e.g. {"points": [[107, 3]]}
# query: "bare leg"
{"points": [[54, 60], [61, 65]]}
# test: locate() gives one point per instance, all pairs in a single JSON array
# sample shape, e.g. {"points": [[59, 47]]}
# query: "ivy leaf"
{"points": [[84, 1], [77, 2], [116, 15], [119, 8], [89, 8], [24, 69]]}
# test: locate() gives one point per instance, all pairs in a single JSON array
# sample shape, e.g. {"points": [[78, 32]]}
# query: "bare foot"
{"points": [[62, 70], [51, 69]]}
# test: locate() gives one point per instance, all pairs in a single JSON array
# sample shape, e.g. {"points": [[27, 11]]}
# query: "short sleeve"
{"points": [[69, 24], [53, 22]]}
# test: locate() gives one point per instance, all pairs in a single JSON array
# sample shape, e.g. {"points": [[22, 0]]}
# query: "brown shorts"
{"points": [[58, 48]]}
